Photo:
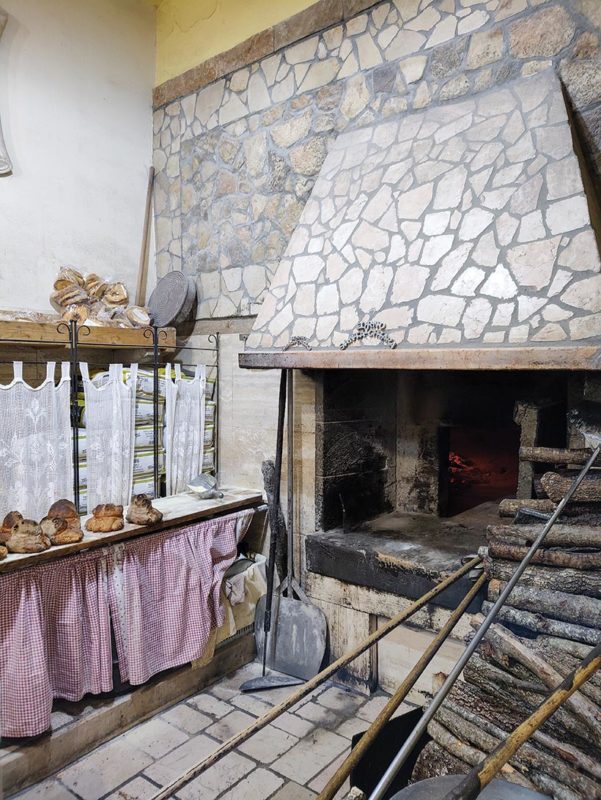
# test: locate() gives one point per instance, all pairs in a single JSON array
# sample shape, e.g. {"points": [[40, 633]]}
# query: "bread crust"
{"points": [[27, 537], [59, 531], [142, 512], [10, 520], [104, 524]]}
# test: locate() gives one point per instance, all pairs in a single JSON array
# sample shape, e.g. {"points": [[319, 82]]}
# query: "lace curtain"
{"points": [[110, 432], [36, 462]]}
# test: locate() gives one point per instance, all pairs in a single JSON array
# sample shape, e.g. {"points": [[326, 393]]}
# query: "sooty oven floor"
{"points": [[404, 554]]}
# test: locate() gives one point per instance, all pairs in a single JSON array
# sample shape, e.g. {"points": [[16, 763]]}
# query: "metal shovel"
{"points": [[438, 788], [295, 643]]}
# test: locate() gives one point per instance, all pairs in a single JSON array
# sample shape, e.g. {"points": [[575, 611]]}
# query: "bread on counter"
{"points": [[27, 537], [65, 510], [142, 512], [106, 518], [58, 531], [10, 520]]}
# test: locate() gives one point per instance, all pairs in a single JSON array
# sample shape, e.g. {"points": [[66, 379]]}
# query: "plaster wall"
{"points": [[76, 109]]}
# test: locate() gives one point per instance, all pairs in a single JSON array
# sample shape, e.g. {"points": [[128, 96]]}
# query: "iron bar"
{"points": [[374, 730], [440, 696], [309, 686]]}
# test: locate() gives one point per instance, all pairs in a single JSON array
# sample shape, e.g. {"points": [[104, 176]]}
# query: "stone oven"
{"points": [[439, 301]]}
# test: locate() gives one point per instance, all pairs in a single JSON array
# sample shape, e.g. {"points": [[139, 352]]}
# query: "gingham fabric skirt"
{"points": [[55, 639], [165, 594], [161, 591]]}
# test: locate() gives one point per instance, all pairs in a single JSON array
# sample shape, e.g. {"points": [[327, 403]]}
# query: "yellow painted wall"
{"points": [[190, 31]]}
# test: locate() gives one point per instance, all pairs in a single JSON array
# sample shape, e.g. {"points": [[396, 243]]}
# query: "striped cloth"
{"points": [[161, 592]]}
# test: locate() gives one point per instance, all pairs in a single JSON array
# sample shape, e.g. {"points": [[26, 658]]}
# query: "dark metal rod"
{"points": [[483, 773], [260, 723], [440, 696], [73, 341], [155, 408], [290, 483], [274, 511], [374, 730]]}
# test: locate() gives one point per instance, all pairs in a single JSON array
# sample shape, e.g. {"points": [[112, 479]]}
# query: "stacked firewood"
{"points": [[553, 618]]}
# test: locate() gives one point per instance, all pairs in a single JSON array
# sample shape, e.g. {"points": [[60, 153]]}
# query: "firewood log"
{"points": [[435, 762], [546, 556], [571, 581], [556, 486], [570, 608], [470, 754], [555, 455], [538, 623], [471, 703], [515, 647], [558, 536], [486, 736], [587, 711], [500, 685], [510, 506]]}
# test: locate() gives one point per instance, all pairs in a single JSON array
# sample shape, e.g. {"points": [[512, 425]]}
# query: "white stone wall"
{"points": [[238, 159], [76, 108]]}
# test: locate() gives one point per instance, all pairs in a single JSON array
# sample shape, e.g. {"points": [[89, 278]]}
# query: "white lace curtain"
{"points": [[36, 462], [184, 427], [110, 433]]}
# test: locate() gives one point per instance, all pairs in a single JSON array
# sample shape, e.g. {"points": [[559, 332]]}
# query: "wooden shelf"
{"points": [[47, 333], [177, 510], [519, 357]]}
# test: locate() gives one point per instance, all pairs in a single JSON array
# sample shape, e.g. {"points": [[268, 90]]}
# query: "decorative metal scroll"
{"points": [[5, 164], [298, 341], [369, 330]]}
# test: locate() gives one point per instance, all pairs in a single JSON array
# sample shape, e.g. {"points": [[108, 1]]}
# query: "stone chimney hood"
{"points": [[460, 237]]}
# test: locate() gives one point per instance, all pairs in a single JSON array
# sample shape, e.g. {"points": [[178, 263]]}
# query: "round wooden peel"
{"points": [[172, 299]]}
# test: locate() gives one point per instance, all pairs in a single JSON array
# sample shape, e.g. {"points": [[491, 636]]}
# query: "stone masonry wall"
{"points": [[237, 160]]}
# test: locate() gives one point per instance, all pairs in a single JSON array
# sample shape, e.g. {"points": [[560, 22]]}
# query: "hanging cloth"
{"points": [[110, 432], [184, 427], [36, 461]]}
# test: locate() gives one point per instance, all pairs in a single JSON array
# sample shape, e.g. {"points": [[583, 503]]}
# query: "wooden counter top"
{"points": [[177, 510]]}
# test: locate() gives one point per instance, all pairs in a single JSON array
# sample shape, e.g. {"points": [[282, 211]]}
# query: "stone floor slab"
{"points": [[155, 737], [292, 791], [104, 769], [230, 725], [47, 790], [258, 785], [218, 778], [187, 719], [268, 744], [172, 765], [209, 705], [310, 756], [138, 789], [292, 724]]}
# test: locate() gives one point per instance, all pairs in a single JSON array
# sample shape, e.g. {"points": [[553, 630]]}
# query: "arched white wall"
{"points": [[76, 81]]}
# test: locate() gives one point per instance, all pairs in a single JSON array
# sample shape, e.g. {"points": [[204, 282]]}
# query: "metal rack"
{"points": [[72, 335], [75, 336]]}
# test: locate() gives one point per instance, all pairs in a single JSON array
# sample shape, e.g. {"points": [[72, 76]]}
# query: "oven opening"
{"points": [[477, 465]]}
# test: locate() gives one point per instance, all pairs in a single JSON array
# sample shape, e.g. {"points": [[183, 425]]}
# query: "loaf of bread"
{"points": [[106, 518], [3, 552], [142, 512], [10, 520], [65, 510], [58, 531], [68, 276], [27, 537]]}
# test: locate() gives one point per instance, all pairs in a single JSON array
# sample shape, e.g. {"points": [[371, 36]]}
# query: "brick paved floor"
{"points": [[291, 759]]}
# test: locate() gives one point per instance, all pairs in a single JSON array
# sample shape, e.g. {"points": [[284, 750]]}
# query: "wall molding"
{"points": [[317, 17]]}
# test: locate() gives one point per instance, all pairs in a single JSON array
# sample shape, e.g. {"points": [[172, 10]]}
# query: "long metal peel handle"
{"points": [[400, 758]]}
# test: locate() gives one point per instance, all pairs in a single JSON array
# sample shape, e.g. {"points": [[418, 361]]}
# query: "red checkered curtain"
{"points": [[55, 639], [165, 593]]}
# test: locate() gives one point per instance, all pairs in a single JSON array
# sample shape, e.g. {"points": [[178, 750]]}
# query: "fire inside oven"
{"points": [[477, 465]]}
